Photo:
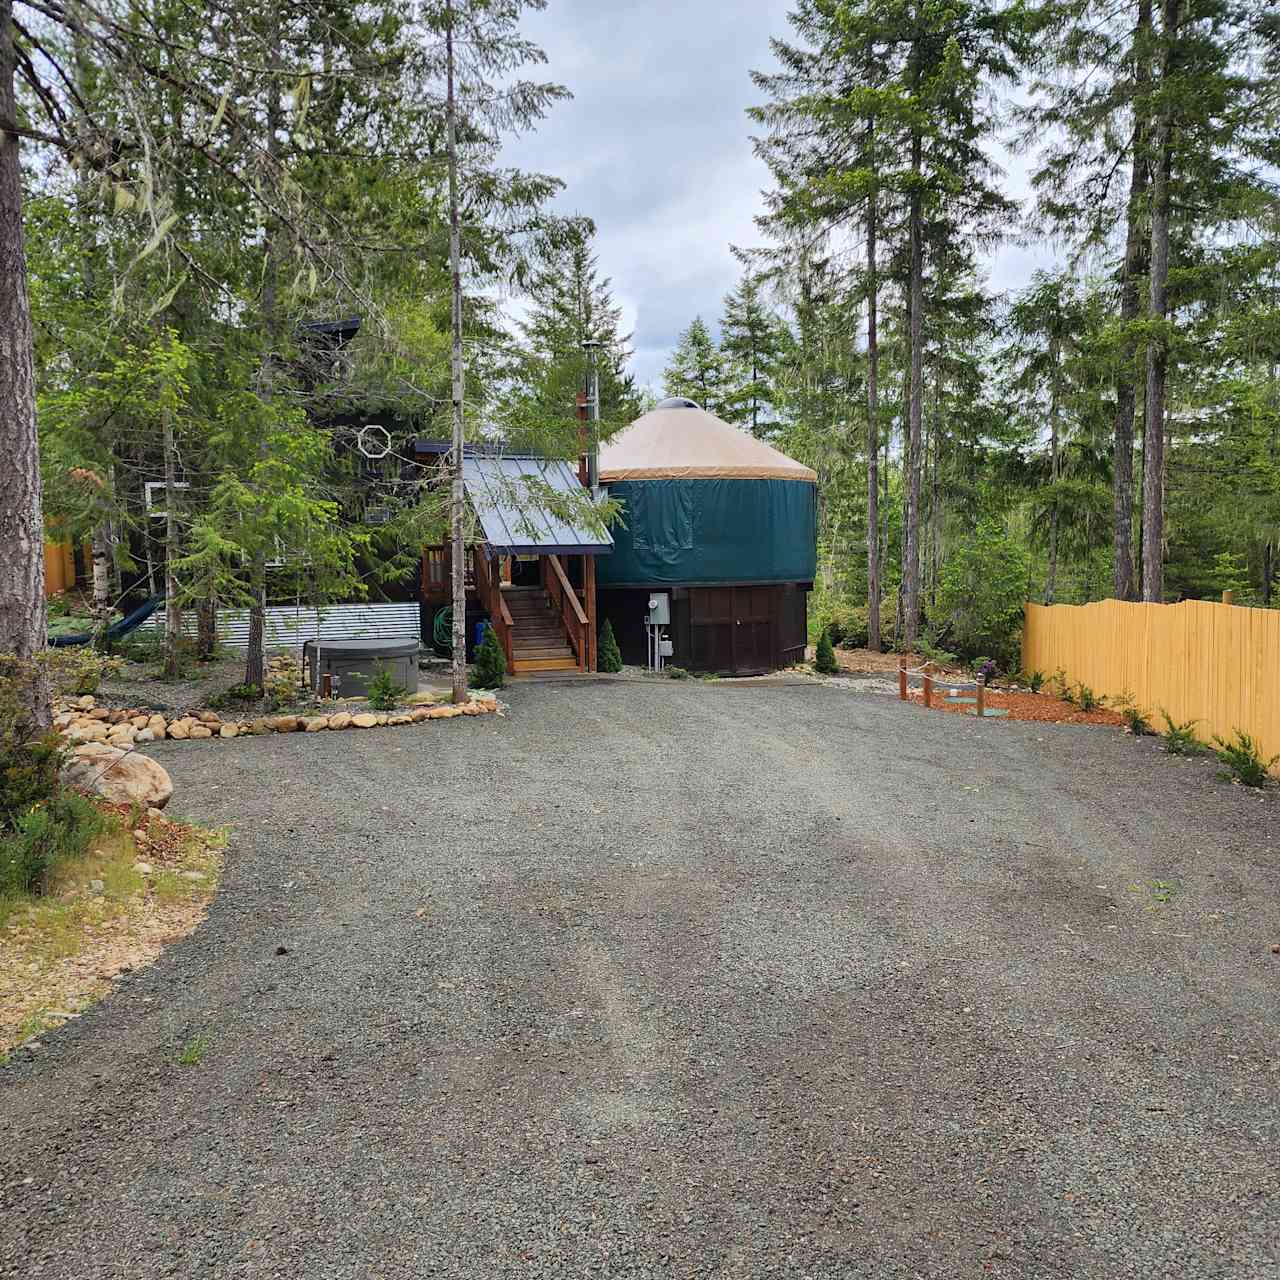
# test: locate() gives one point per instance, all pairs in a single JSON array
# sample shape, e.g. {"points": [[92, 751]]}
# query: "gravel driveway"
{"points": [[682, 979]]}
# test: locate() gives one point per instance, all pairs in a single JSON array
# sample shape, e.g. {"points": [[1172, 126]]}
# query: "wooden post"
{"points": [[982, 697], [928, 689], [589, 583], [902, 679], [1228, 597]]}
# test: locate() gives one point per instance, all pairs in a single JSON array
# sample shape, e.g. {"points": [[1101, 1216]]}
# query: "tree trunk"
{"points": [[206, 628], [1051, 577], [1157, 342], [23, 621], [255, 658], [1132, 270], [873, 425], [911, 547], [457, 496], [102, 560], [172, 610]]}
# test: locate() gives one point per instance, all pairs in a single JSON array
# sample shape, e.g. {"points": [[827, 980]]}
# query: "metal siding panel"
{"points": [[291, 626]]}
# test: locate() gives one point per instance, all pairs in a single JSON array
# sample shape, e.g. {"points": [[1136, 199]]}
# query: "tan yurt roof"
{"points": [[687, 443]]}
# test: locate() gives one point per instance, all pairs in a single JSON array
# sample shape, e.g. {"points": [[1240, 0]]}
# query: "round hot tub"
{"points": [[353, 663]]}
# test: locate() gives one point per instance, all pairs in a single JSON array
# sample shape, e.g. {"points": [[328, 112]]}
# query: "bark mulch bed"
{"points": [[1022, 706]]}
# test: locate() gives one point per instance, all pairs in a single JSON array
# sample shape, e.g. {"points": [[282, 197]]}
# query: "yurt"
{"points": [[722, 524]]}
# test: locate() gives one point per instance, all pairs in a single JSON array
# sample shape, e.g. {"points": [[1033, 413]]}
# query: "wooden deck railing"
{"points": [[489, 591], [565, 599]]}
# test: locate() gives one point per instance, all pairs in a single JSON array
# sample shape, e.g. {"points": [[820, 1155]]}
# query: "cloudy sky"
{"points": [[656, 147]]}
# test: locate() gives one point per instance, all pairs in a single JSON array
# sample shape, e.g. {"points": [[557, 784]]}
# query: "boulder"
{"points": [[381, 717], [140, 722], [342, 720], [158, 726], [122, 733], [444, 713], [208, 717], [180, 729], [201, 731], [144, 735], [400, 717], [123, 777], [316, 724], [87, 731], [286, 724], [98, 713], [419, 714], [86, 703], [228, 730], [64, 718], [364, 720]]}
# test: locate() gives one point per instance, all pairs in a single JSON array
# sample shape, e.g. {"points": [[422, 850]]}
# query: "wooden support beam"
{"points": [[902, 679]]}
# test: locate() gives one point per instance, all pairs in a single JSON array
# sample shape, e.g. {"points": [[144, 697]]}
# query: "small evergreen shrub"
{"points": [[64, 827], [610, 658], [1180, 739], [1244, 762], [1035, 680], [1135, 718], [677, 673], [825, 659], [489, 670], [382, 693], [1086, 699]]}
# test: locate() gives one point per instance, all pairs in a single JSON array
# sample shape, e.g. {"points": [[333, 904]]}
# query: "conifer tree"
{"points": [[610, 658], [698, 371], [753, 339]]}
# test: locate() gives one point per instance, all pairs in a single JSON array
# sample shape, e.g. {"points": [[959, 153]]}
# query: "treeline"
{"points": [[1111, 428]]}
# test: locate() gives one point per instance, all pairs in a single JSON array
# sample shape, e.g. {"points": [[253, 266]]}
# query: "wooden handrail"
{"points": [[490, 591], [568, 590]]}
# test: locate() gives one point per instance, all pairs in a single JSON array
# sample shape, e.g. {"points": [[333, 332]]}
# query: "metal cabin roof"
{"points": [[504, 493]]}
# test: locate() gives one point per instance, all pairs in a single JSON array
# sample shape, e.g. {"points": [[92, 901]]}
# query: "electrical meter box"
{"points": [[659, 609]]}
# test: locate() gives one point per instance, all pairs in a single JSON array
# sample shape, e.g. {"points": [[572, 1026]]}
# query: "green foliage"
{"points": [[63, 827], [610, 656], [1034, 680], [490, 668], [1136, 720], [825, 659], [845, 621], [1244, 762], [676, 673], [1180, 739], [236, 694], [31, 757], [382, 693], [698, 371], [192, 1053], [939, 657], [1086, 699], [80, 670], [981, 590]]}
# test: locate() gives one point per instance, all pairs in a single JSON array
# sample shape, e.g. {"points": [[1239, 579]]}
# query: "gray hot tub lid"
{"points": [[391, 647]]}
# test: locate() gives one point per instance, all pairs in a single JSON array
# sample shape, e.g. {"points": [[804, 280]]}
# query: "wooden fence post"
{"points": [[928, 689], [982, 696], [902, 679], [1228, 597]]}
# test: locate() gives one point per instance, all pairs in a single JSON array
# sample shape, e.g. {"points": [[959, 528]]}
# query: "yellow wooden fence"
{"points": [[1218, 664]]}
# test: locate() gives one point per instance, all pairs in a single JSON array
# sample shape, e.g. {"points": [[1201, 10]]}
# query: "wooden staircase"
{"points": [[539, 641]]}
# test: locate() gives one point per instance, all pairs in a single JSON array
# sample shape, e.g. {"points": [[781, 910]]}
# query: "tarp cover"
{"points": [[691, 444], [698, 532], [521, 505]]}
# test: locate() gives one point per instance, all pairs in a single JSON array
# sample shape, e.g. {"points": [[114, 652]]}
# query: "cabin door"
{"points": [[752, 630]]}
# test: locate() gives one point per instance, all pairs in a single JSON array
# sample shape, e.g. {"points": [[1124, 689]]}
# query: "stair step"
{"points": [[543, 664]]}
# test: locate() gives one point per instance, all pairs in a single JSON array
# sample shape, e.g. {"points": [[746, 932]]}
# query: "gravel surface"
{"points": [[682, 979]]}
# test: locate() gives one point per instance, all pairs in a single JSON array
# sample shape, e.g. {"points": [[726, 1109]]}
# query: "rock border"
{"points": [[82, 720]]}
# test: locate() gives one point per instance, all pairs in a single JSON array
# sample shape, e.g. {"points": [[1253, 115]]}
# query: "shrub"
{"points": [[1245, 763], [65, 826], [610, 657], [30, 757], [939, 657], [1180, 739], [490, 668], [80, 669], [844, 621], [677, 673], [1085, 698], [1035, 679], [1135, 719], [981, 589], [825, 660], [382, 693]]}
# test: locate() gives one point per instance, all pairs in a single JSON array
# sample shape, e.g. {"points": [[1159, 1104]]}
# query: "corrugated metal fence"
{"points": [[1198, 660], [292, 626]]}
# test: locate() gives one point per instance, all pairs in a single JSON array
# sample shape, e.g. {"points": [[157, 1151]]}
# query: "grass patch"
{"points": [[194, 1050]]}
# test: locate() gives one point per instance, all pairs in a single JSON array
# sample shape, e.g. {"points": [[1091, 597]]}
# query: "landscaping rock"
{"points": [[98, 713], [85, 703], [87, 731], [208, 717], [381, 717], [316, 724], [286, 724], [119, 776], [157, 724], [444, 713], [342, 720], [364, 720], [139, 722], [228, 731], [201, 731], [144, 735], [180, 729], [143, 868], [419, 714], [400, 718]]}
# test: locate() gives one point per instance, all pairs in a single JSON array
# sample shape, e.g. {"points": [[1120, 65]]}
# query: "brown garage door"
{"points": [[731, 629]]}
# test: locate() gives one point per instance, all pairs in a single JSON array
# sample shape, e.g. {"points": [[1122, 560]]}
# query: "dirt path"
{"points": [[682, 979]]}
